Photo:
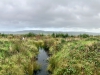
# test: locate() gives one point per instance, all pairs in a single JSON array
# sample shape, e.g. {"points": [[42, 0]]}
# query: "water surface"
{"points": [[42, 60]]}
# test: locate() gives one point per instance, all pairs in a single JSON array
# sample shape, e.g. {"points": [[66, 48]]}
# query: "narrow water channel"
{"points": [[42, 60]]}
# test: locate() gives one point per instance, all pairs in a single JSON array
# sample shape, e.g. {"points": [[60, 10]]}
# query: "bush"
{"points": [[84, 35], [30, 34]]}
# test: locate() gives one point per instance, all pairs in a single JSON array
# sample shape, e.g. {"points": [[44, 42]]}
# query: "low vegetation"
{"points": [[69, 55], [17, 57]]}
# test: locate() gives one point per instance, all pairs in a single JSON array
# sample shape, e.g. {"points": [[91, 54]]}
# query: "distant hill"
{"points": [[46, 32]]}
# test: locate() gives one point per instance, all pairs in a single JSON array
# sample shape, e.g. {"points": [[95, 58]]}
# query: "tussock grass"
{"points": [[79, 57], [17, 57]]}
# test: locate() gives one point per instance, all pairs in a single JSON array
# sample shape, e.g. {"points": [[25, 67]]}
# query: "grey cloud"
{"points": [[49, 13]]}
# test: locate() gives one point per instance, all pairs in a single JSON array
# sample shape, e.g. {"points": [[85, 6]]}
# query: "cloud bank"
{"points": [[79, 15]]}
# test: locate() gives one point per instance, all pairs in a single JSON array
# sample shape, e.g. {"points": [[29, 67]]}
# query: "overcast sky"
{"points": [[59, 15]]}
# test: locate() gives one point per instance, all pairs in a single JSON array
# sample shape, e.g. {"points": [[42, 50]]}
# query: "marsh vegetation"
{"points": [[68, 55]]}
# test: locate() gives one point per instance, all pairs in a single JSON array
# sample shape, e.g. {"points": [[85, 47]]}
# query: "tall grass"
{"points": [[17, 57], [68, 56], [76, 58]]}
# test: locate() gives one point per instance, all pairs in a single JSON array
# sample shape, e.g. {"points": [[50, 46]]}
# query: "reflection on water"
{"points": [[42, 60]]}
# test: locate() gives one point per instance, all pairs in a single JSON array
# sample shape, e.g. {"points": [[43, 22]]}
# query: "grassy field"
{"points": [[17, 57], [69, 55]]}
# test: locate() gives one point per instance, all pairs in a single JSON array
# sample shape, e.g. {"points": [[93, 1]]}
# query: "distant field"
{"points": [[46, 32]]}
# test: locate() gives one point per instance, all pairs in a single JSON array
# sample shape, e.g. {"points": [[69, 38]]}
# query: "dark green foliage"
{"points": [[53, 35], [41, 34], [84, 35], [3, 35], [60, 35], [30, 35]]}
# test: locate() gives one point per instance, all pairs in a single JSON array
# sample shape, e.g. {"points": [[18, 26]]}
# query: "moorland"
{"points": [[68, 54]]}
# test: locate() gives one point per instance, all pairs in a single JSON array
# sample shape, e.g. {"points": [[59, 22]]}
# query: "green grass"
{"points": [[75, 58], [68, 56], [17, 57]]}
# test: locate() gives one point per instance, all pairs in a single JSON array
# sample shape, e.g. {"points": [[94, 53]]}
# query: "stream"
{"points": [[42, 60]]}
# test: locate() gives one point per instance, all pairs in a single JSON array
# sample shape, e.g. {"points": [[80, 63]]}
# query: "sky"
{"points": [[50, 15]]}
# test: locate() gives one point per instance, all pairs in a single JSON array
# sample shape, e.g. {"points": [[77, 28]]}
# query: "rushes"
{"points": [[76, 58], [17, 58], [68, 56]]}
